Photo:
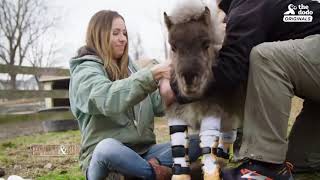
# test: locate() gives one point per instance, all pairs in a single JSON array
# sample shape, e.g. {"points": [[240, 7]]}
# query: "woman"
{"points": [[115, 105]]}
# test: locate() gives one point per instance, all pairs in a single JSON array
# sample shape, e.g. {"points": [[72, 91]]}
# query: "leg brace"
{"points": [[209, 136], [179, 145]]}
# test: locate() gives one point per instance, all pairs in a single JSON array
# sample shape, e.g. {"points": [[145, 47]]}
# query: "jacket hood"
{"points": [[74, 62]]}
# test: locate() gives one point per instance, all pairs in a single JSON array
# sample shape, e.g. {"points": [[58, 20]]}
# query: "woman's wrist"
{"points": [[156, 73]]}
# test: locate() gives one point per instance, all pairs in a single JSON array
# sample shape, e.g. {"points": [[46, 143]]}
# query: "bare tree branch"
{"points": [[3, 57], [22, 24], [136, 47], [6, 24]]}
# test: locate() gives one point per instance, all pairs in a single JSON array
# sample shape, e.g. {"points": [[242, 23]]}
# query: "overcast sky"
{"points": [[141, 16]]}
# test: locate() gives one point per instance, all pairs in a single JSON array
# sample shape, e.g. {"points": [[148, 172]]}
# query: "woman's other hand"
{"points": [[166, 92]]}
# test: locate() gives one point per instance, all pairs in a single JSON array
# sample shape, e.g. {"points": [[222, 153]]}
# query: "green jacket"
{"points": [[122, 109]]}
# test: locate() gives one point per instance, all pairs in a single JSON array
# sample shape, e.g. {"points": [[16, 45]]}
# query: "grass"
{"points": [[73, 173], [16, 156]]}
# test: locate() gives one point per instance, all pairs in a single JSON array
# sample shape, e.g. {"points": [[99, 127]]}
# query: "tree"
{"points": [[164, 31], [136, 46], [22, 23], [42, 54]]}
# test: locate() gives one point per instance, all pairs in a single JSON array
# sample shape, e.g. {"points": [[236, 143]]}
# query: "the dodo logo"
{"points": [[300, 13]]}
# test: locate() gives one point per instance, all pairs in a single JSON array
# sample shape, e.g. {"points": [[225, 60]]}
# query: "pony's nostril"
{"points": [[195, 79], [188, 79]]}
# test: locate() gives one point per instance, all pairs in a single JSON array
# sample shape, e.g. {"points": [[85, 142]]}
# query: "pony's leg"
{"points": [[179, 144], [209, 136], [226, 140]]}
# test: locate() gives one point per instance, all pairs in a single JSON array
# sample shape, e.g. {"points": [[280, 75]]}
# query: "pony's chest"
{"points": [[193, 113]]}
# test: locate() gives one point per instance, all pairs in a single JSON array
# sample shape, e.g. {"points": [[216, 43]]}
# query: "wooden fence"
{"points": [[27, 94]]}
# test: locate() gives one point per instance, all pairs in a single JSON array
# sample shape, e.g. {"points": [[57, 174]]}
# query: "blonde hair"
{"points": [[98, 40]]}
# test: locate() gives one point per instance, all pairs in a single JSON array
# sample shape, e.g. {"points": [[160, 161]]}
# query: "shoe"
{"points": [[161, 172], [252, 169]]}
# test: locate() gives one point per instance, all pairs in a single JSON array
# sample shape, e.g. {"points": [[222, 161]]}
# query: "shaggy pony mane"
{"points": [[186, 10]]}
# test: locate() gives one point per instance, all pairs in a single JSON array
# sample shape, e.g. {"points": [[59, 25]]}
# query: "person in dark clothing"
{"points": [[280, 40], [250, 23]]}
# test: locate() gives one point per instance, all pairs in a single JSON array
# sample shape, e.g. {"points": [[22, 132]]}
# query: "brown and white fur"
{"points": [[196, 34]]}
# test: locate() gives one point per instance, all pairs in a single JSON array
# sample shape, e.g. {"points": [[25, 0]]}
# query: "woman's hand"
{"points": [[161, 71], [166, 92]]}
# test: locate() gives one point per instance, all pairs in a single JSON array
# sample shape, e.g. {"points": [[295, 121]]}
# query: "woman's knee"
{"points": [[107, 148]]}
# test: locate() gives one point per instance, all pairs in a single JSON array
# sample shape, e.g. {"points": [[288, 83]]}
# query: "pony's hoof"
{"points": [[212, 176], [181, 177]]}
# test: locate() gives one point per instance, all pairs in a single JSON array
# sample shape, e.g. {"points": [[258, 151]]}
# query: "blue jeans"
{"points": [[112, 155]]}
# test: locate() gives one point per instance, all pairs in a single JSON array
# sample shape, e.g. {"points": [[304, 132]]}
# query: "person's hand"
{"points": [[166, 92], [161, 70]]}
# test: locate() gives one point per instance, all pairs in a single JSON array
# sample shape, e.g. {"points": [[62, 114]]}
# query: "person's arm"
{"points": [[246, 27], [157, 104], [96, 94]]}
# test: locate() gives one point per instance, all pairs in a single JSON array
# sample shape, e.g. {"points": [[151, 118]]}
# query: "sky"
{"points": [[141, 16]]}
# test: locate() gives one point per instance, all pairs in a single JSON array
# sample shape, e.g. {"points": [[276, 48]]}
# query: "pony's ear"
{"points": [[167, 20], [206, 16]]}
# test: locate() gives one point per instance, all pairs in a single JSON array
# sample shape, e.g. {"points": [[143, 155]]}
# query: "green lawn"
{"points": [[16, 156]]}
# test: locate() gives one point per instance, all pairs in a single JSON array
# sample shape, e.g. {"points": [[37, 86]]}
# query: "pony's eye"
{"points": [[206, 45], [173, 48]]}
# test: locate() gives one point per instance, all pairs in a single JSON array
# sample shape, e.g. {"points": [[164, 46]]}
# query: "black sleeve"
{"points": [[246, 27]]}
